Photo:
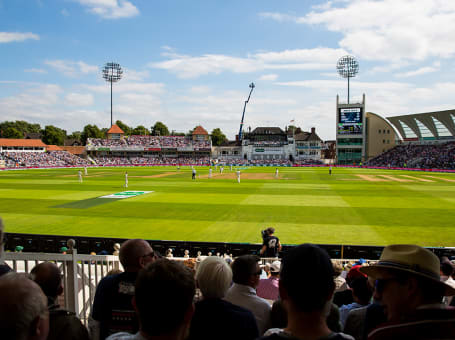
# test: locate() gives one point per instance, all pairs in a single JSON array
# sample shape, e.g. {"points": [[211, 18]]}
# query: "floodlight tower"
{"points": [[112, 73], [347, 67], [243, 114]]}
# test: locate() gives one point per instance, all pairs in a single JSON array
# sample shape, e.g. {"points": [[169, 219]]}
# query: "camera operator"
{"points": [[271, 244]]}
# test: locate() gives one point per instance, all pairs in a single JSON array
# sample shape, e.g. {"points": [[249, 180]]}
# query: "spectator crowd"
{"points": [[425, 156], [407, 294], [42, 159]]}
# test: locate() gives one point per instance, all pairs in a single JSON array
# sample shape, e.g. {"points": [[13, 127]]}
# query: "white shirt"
{"points": [[245, 296]]}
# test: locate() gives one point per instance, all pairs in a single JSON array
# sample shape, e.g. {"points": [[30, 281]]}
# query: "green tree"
{"points": [[53, 135], [20, 125], [76, 135], [11, 132], [126, 129], [175, 133], [218, 137], [90, 131], [140, 130], [159, 129]]}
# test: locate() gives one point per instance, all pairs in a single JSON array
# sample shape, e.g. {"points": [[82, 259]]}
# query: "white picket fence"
{"points": [[80, 275]]}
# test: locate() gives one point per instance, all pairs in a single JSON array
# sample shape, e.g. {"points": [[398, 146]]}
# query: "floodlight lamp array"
{"points": [[112, 72], [347, 66]]}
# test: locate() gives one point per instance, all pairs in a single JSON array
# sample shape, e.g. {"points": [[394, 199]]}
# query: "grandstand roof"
{"points": [[115, 129], [53, 148], [430, 125], [268, 131], [199, 130], [21, 142], [75, 150]]}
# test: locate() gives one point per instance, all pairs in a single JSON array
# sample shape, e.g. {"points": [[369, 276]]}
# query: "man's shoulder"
{"points": [[125, 336]]}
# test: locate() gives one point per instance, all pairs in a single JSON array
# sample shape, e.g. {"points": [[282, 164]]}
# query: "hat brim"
{"points": [[378, 271]]}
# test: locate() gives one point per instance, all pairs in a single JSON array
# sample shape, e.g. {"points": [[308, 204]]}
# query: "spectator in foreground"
{"points": [[246, 272], [112, 308], [23, 309], [268, 288], [62, 323], [361, 294], [307, 300], [446, 276], [163, 300], [214, 317], [409, 288], [4, 268]]}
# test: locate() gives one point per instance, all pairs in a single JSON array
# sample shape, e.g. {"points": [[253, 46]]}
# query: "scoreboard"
{"points": [[350, 121]]}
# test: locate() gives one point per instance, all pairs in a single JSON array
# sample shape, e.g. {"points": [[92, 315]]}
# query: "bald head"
{"points": [[23, 308], [47, 276], [135, 254]]}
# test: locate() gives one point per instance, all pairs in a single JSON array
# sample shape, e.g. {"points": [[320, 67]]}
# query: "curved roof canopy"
{"points": [[433, 125]]}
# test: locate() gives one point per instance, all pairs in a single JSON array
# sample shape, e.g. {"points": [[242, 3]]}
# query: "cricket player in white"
{"points": [[276, 173], [79, 175], [231, 167], [238, 176], [126, 179], [221, 169], [85, 171], [210, 173]]}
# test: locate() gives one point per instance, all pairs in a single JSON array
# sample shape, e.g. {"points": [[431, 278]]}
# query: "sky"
{"points": [[189, 63]]}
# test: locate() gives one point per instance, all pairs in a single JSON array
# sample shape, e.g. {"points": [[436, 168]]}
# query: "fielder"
{"points": [[79, 175], [330, 170], [193, 175], [126, 179], [210, 173], [85, 171], [276, 173], [231, 167], [238, 176]]}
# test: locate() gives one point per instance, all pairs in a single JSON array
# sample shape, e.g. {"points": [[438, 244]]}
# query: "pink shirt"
{"points": [[268, 288]]}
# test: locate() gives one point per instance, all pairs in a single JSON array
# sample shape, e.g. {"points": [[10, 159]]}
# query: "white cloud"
{"points": [[280, 17], [71, 68], [269, 77], [111, 9], [185, 66], [388, 29], [79, 99], [35, 70], [418, 72], [7, 37]]}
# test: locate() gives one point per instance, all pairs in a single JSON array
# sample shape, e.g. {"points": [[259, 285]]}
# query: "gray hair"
{"points": [[22, 303], [214, 277]]}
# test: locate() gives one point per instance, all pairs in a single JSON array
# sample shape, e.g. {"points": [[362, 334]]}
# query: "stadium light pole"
{"points": [[244, 107], [347, 67], [112, 72]]}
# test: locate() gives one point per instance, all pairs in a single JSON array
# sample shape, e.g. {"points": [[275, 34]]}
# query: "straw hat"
{"points": [[410, 259]]}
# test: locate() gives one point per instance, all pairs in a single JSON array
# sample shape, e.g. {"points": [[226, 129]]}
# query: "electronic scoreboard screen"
{"points": [[350, 129], [351, 115]]}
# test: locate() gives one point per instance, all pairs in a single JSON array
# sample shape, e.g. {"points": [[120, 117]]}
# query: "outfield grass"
{"points": [[352, 206]]}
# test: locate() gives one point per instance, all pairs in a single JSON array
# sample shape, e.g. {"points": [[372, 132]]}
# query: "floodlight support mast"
{"points": [[244, 108]]}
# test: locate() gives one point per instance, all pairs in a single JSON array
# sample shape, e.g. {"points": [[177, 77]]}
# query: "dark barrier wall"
{"points": [[86, 245]]}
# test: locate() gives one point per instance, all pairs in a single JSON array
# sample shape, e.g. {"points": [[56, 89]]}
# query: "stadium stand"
{"points": [[423, 156]]}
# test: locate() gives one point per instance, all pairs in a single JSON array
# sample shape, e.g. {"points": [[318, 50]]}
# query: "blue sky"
{"points": [[190, 62]]}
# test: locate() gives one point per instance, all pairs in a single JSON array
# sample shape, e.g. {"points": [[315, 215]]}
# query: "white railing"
{"points": [[80, 275]]}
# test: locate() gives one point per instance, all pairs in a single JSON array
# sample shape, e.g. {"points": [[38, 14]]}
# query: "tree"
{"points": [[218, 137], [20, 125], [53, 135], [159, 129], [126, 129], [90, 131], [76, 135], [11, 132], [140, 130], [175, 133]]}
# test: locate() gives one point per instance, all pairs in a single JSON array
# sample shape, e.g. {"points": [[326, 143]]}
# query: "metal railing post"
{"points": [[73, 286]]}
